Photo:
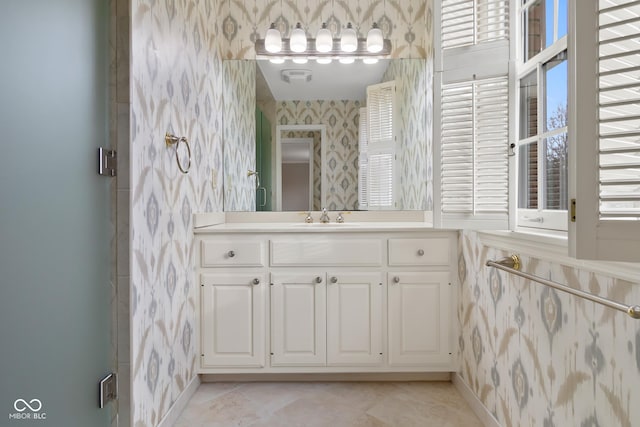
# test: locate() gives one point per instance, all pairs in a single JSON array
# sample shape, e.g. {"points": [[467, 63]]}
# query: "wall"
{"points": [[415, 159], [239, 124], [536, 356], [176, 86], [341, 119], [401, 21]]}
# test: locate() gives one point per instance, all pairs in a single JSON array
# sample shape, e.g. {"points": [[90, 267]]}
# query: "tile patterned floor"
{"points": [[334, 404]]}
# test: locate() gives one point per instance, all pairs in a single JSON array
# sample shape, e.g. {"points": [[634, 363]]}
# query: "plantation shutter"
{"points": [[363, 160], [381, 152], [607, 137], [474, 161], [471, 115], [469, 22]]}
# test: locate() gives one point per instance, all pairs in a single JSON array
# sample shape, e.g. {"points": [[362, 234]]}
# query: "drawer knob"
{"points": [[420, 252], [396, 279], [231, 254], [256, 281], [334, 279], [318, 279]]}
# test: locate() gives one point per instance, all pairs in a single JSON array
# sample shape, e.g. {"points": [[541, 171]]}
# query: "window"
{"points": [[542, 147]]}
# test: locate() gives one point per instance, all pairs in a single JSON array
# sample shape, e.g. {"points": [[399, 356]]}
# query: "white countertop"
{"points": [[301, 227]]}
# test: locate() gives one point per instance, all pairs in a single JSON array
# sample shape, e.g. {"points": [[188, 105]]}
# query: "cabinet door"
{"points": [[298, 319], [233, 320], [354, 318], [419, 313]]}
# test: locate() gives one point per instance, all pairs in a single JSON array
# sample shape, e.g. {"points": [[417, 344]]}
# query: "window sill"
{"points": [[553, 246]]}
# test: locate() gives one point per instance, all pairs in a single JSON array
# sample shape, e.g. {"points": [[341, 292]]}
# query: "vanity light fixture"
{"points": [[370, 61], [324, 39], [300, 60], [298, 41], [375, 41], [273, 40], [348, 39], [347, 60], [323, 49]]}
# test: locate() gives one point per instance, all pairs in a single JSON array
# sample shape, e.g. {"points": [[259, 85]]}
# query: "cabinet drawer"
{"points": [[429, 251], [232, 253], [330, 252]]}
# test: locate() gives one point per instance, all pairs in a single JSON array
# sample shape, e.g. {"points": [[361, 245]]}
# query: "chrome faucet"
{"points": [[340, 218], [309, 218], [324, 218]]}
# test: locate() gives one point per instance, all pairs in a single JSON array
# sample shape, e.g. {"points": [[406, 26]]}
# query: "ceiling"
{"points": [[330, 81]]}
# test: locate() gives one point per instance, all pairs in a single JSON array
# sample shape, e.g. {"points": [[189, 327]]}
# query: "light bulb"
{"points": [[277, 60], [323, 60], [324, 39], [298, 41], [349, 39], [300, 60], [375, 42], [370, 61], [347, 60], [272, 40]]}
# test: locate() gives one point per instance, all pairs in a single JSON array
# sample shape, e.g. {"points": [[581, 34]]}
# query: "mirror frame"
{"points": [[323, 156]]}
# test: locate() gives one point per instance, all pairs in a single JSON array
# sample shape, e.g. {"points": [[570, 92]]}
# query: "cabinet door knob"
{"points": [[334, 279], [231, 254], [256, 281], [420, 252], [318, 279], [396, 279]]}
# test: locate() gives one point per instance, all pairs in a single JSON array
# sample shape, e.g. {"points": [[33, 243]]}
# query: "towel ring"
{"points": [[170, 140]]}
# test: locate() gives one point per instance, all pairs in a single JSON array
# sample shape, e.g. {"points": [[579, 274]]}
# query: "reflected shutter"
{"points": [[381, 153], [363, 161]]}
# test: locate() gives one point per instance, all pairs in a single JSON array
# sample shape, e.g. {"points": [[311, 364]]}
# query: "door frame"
{"points": [[278, 161]]}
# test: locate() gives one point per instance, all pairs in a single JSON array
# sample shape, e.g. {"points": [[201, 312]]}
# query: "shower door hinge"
{"points": [[108, 389], [107, 162], [573, 210]]}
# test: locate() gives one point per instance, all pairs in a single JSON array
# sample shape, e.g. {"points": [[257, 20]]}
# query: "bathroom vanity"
{"points": [[326, 298]]}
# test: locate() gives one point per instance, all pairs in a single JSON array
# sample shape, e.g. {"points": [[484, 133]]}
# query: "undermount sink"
{"points": [[328, 224]]}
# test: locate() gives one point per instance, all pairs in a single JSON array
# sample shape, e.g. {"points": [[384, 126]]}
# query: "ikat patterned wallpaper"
{"points": [[176, 86], [401, 21], [239, 95], [414, 143], [535, 356]]}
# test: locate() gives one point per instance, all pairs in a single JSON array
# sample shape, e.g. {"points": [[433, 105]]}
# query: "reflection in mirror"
{"points": [[334, 105], [299, 151]]}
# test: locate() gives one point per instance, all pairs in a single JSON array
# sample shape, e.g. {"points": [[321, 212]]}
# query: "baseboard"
{"points": [[383, 376], [181, 402], [477, 407]]}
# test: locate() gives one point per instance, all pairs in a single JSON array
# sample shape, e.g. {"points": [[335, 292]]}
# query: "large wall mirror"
{"points": [[292, 134]]}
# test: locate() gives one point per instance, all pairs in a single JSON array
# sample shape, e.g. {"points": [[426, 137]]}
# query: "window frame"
{"points": [[540, 218]]}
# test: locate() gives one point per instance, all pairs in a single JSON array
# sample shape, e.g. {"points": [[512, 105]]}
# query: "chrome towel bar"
{"points": [[512, 265]]}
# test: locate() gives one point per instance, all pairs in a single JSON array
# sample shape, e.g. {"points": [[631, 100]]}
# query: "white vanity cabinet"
{"points": [[367, 299], [298, 319], [326, 319], [419, 311], [233, 316]]}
